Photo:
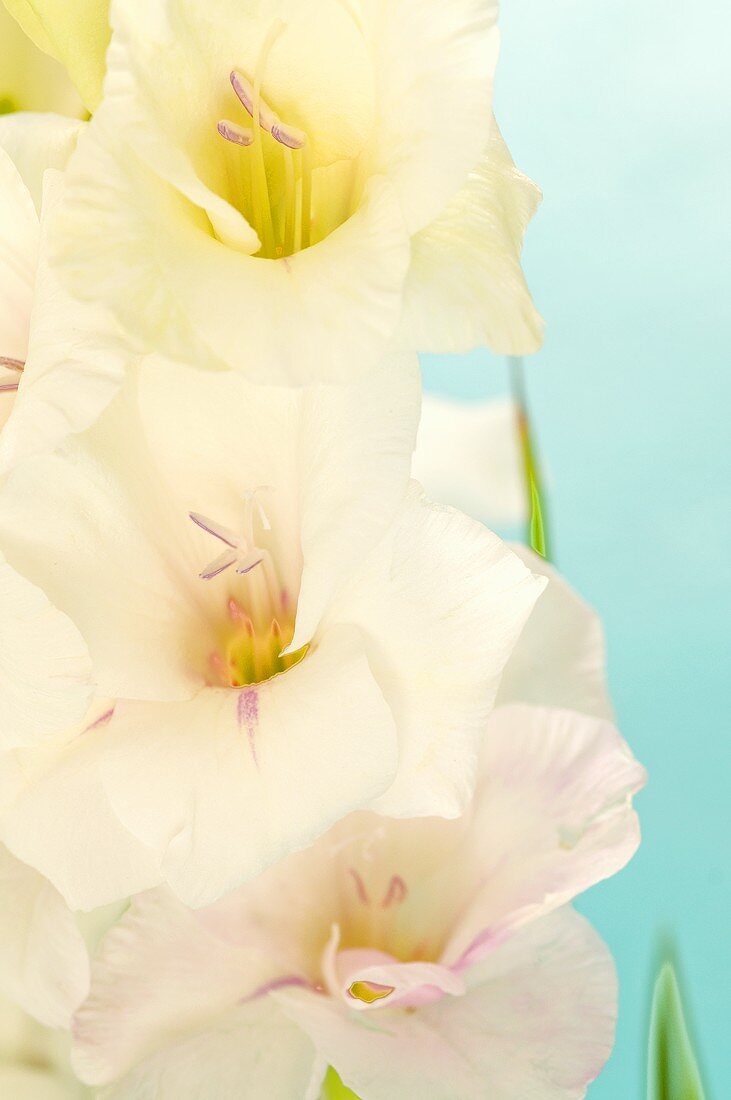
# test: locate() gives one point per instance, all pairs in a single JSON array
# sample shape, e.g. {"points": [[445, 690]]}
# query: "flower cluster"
{"points": [[300, 771]]}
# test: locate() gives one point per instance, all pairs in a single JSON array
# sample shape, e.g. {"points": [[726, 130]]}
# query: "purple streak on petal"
{"points": [[215, 529], [482, 945], [8, 387], [11, 364], [247, 714], [101, 720], [293, 981]]}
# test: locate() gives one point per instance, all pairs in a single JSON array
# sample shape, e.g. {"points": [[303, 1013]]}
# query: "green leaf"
{"points": [[334, 1089], [672, 1066]]}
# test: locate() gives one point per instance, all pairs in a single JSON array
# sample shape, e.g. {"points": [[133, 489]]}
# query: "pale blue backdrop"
{"points": [[619, 108]]}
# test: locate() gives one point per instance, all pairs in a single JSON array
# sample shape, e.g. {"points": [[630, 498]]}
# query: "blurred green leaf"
{"points": [[334, 1089], [537, 533], [672, 1066]]}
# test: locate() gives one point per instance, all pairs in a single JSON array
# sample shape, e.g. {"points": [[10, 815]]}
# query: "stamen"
{"points": [[12, 364], [397, 892], [269, 120], [9, 387], [225, 534], [238, 135]]}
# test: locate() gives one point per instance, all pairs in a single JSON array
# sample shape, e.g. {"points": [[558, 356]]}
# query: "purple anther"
{"points": [[238, 135], [289, 136]]}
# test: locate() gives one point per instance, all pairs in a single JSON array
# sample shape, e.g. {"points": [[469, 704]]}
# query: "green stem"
{"points": [[537, 526], [334, 1089]]}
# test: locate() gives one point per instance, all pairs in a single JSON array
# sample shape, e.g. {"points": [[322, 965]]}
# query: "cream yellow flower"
{"points": [[29, 79], [292, 186]]}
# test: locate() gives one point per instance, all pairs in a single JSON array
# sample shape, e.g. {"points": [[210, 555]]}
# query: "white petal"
{"points": [[224, 785], [75, 359], [560, 659], [157, 974], [19, 233], [442, 602], [56, 817], [434, 64], [538, 1022], [45, 670], [325, 313], [43, 962], [552, 816], [480, 235], [36, 142], [468, 455]]}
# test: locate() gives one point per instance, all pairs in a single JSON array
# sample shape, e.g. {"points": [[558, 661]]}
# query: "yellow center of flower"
{"points": [[290, 202], [258, 623]]}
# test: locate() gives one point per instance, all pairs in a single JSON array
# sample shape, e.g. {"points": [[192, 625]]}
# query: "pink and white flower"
{"points": [[418, 958]]}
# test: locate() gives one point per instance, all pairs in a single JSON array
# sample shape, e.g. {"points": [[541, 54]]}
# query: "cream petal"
{"points": [[29, 79], [75, 359], [113, 554], [479, 234], [36, 142], [442, 602], [560, 659], [75, 32], [326, 313], [19, 234], [158, 974], [31, 1083], [255, 773], [434, 67], [56, 817], [44, 966], [552, 816], [538, 1021], [468, 455], [45, 669]]}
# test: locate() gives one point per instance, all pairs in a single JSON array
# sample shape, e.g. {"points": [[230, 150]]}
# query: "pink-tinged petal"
{"points": [[251, 1051], [552, 816], [368, 980], [537, 1021], [159, 973]]}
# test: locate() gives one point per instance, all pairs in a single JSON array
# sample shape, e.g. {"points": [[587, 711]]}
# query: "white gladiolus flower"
{"points": [[289, 185], [287, 634], [418, 958]]}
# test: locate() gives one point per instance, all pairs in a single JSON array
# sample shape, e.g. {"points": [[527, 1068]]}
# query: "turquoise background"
{"points": [[619, 109]]}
